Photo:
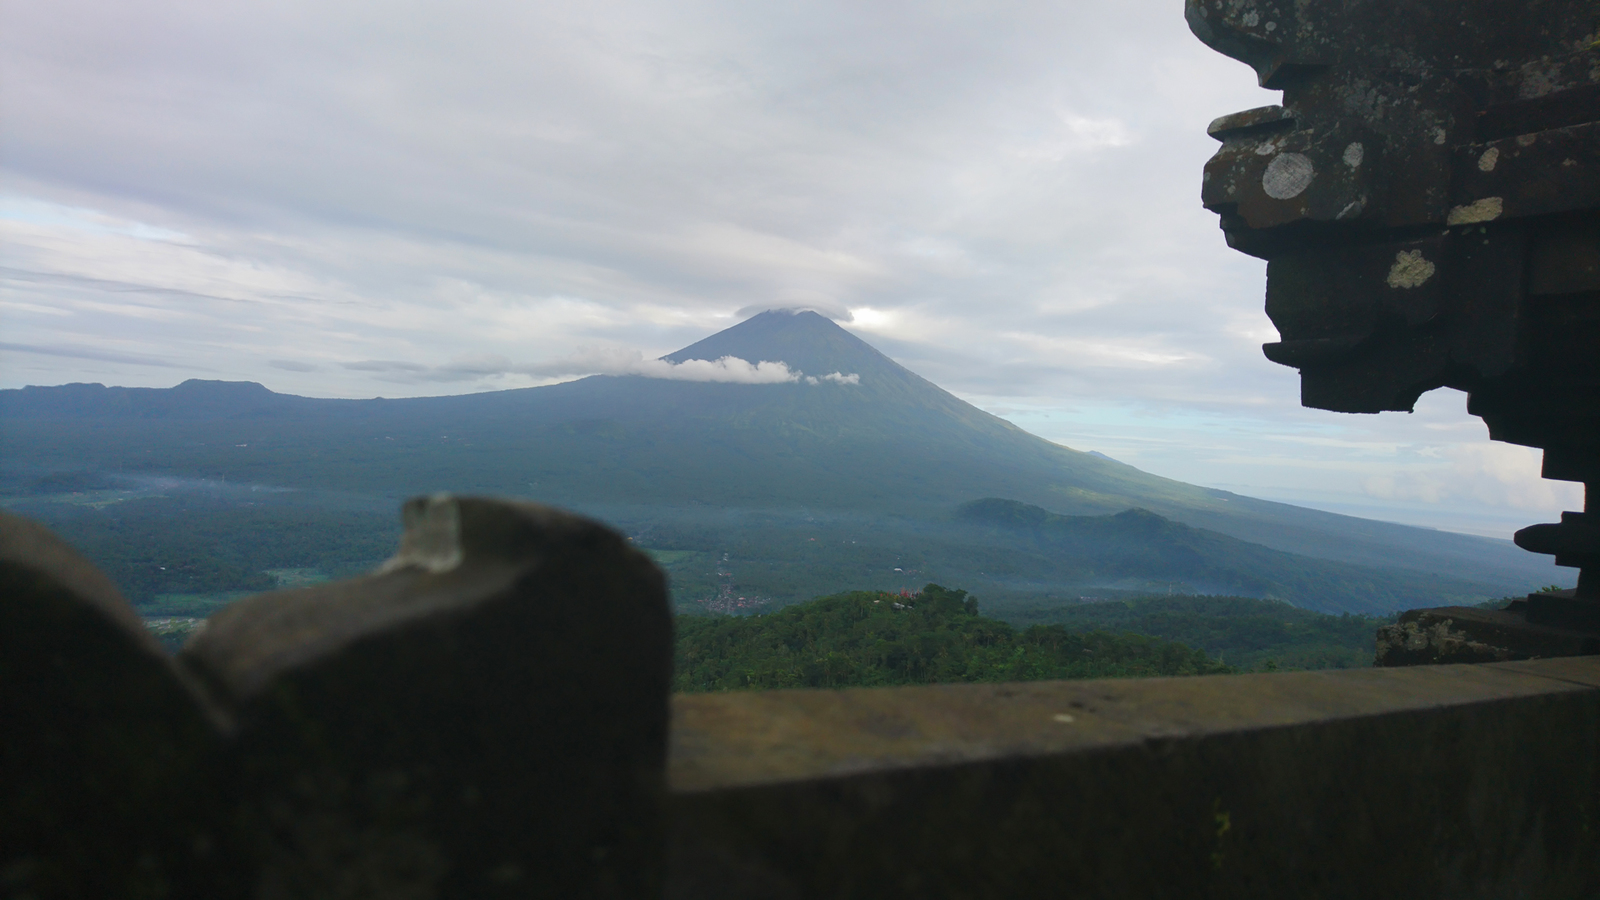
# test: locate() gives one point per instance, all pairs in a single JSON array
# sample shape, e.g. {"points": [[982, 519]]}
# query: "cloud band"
{"points": [[728, 369]]}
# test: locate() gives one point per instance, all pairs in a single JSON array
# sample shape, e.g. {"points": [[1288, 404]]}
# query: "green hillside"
{"points": [[1243, 632], [867, 638]]}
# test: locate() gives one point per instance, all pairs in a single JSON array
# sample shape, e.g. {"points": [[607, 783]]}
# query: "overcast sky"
{"points": [[353, 199]]}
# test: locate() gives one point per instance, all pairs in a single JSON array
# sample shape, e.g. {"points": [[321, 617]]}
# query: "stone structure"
{"points": [[1427, 198], [1423, 782], [485, 717]]}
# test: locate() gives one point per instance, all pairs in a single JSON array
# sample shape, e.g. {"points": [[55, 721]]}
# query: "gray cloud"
{"points": [[834, 311], [603, 361], [89, 353], [384, 365], [395, 371], [85, 284], [290, 365]]}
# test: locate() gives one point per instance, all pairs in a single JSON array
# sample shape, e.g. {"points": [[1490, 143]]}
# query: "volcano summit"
{"points": [[854, 473]]}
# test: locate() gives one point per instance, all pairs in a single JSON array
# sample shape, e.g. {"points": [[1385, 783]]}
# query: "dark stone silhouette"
{"points": [[1427, 199], [484, 717], [104, 761]]}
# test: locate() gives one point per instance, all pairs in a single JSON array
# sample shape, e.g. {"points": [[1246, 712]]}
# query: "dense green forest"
{"points": [[188, 554], [868, 638], [193, 551], [1240, 631], [1132, 636]]}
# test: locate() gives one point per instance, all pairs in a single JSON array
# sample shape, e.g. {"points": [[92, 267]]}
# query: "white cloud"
{"points": [[798, 304], [599, 361], [632, 362], [1075, 134], [1486, 474]]}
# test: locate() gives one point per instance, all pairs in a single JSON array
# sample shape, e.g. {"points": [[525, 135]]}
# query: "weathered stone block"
{"points": [[484, 717], [103, 767]]}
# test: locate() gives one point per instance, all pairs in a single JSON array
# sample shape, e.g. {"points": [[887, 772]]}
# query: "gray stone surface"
{"points": [[487, 717], [1426, 782]]}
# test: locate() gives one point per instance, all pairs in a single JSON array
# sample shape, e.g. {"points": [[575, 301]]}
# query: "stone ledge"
{"points": [[1438, 781], [1464, 634]]}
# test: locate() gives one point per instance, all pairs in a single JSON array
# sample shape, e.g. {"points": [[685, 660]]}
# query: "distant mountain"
{"points": [[1139, 544], [764, 473]]}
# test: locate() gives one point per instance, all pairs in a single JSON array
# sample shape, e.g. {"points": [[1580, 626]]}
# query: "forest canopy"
{"points": [[870, 638]]}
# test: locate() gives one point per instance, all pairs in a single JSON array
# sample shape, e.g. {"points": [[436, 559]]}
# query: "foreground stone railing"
{"points": [[1439, 781], [488, 717]]}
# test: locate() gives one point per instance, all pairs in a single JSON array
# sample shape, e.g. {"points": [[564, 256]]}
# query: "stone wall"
{"points": [[488, 716], [1440, 781]]}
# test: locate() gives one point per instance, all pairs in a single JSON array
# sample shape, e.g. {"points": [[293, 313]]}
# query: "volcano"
{"points": [[858, 473]]}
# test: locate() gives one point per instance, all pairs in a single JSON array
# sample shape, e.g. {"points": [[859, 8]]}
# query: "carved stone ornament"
{"points": [[1427, 198]]}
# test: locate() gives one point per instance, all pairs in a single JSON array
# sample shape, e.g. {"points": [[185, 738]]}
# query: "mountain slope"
{"points": [[645, 451], [1139, 544]]}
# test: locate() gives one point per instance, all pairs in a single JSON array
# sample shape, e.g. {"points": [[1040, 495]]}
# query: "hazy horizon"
{"points": [[1463, 520]]}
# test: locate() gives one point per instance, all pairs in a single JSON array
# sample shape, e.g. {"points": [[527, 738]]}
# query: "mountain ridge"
{"points": [[894, 444]]}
